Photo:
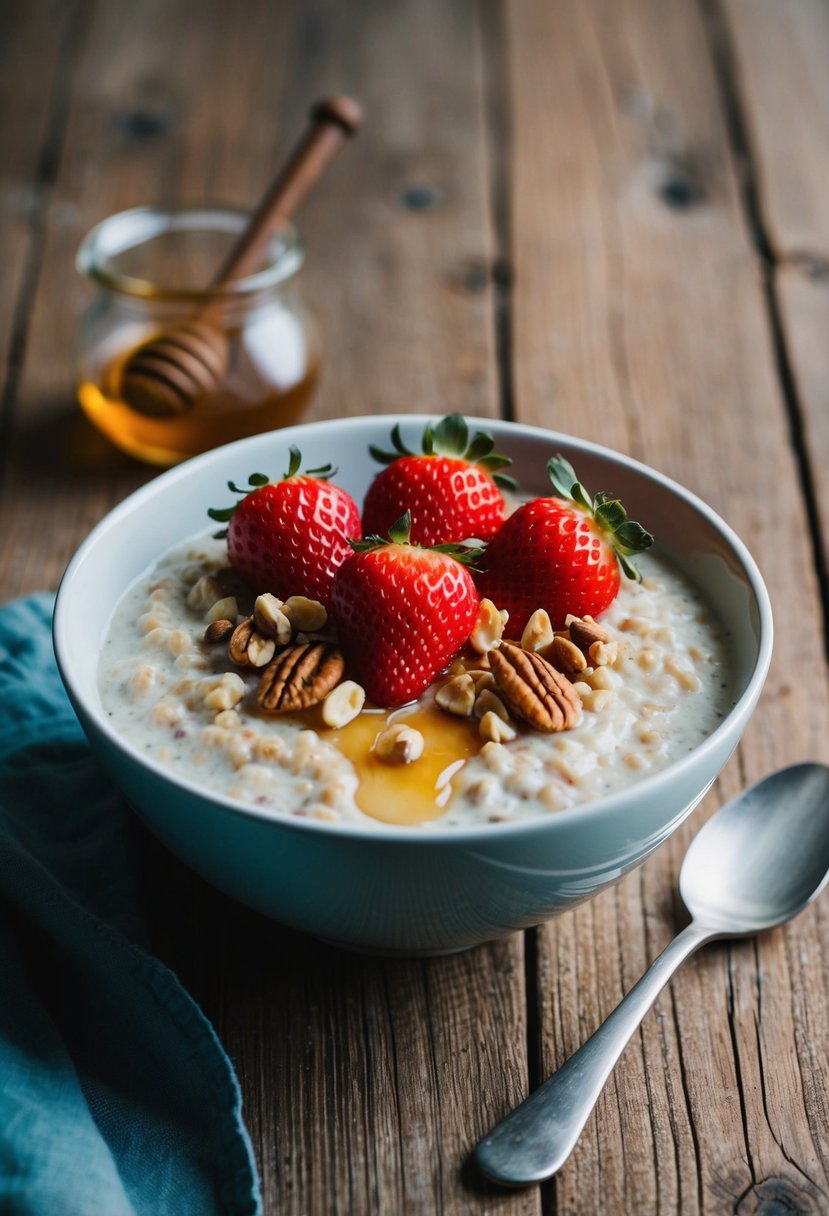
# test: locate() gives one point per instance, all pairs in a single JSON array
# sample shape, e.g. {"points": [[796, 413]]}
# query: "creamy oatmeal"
{"points": [[648, 695]]}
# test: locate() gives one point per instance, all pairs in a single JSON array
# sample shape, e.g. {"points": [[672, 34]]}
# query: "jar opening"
{"points": [[173, 255]]}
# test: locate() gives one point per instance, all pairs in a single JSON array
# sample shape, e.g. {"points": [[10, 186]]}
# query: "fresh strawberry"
{"points": [[288, 537], [451, 489], [563, 554], [403, 612]]}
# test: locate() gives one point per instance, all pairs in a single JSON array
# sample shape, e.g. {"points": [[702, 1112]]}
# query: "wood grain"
{"points": [[781, 49], [641, 321]]}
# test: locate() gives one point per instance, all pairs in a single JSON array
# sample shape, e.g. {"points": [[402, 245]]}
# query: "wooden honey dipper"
{"points": [[171, 371]]}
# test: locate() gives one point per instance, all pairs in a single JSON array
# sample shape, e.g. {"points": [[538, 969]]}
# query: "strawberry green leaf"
{"points": [[451, 435], [481, 447], [625, 535], [381, 456], [562, 475], [401, 529], [493, 462], [504, 482], [631, 537], [397, 440], [296, 461], [610, 514], [220, 514], [467, 552]]}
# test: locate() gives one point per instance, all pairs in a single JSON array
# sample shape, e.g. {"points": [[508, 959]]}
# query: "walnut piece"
{"points": [[299, 677], [533, 690], [248, 647]]}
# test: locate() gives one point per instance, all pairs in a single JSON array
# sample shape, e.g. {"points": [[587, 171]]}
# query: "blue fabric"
{"points": [[116, 1097]]}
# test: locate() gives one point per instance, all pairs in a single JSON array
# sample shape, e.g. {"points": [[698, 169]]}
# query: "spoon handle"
{"points": [[535, 1140]]}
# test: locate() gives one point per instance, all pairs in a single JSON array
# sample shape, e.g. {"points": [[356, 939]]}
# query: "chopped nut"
{"points": [[601, 677], [489, 702], [482, 680], [493, 728], [226, 692], [218, 631], [228, 719], [299, 677], [399, 744], [597, 699], [343, 704], [584, 631], [538, 631], [488, 628], [270, 620], [457, 695], [304, 614], [533, 690], [248, 647], [565, 656], [260, 650], [204, 593], [224, 609], [603, 654]]}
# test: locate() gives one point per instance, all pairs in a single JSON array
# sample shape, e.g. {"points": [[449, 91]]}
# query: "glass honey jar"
{"points": [[149, 267]]}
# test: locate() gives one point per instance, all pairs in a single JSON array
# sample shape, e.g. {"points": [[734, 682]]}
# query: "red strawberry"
{"points": [[562, 554], [451, 491], [288, 537], [402, 612]]}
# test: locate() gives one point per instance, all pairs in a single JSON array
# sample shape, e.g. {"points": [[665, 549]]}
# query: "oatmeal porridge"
{"points": [[181, 677]]}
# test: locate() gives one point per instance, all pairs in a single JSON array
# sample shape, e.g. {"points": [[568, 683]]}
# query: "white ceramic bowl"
{"points": [[385, 888]]}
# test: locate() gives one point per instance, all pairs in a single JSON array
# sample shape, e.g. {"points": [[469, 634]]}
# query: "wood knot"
{"points": [[144, 124], [678, 185], [420, 198], [778, 1197]]}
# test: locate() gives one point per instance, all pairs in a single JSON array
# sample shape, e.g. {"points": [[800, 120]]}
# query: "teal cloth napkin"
{"points": [[116, 1097]]}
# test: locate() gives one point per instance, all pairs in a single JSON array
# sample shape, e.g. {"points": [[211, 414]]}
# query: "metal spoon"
{"points": [[755, 864]]}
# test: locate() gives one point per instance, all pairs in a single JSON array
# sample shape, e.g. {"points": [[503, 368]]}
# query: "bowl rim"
{"points": [[422, 834]]}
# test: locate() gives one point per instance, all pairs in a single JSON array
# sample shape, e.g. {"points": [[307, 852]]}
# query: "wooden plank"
{"points": [[365, 1083], [639, 321], [37, 45], [803, 293], [781, 49]]}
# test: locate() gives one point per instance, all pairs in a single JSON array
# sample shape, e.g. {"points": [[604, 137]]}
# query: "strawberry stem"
{"points": [[450, 437], [625, 536], [257, 480], [467, 552]]}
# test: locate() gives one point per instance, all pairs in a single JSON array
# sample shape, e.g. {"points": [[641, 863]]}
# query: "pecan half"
{"points": [[533, 690], [300, 676]]}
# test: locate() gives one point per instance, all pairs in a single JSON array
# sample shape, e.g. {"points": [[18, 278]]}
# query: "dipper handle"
{"points": [[333, 121]]}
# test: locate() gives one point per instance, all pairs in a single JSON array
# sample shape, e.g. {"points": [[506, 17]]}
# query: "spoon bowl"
{"points": [[763, 856], [755, 864]]}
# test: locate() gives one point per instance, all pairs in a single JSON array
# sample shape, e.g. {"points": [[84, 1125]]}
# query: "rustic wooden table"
{"points": [[607, 216]]}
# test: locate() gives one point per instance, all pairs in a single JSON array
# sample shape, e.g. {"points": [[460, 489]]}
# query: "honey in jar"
{"points": [[147, 265]]}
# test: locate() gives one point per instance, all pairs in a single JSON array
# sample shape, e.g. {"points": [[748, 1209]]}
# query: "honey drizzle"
{"points": [[404, 794]]}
